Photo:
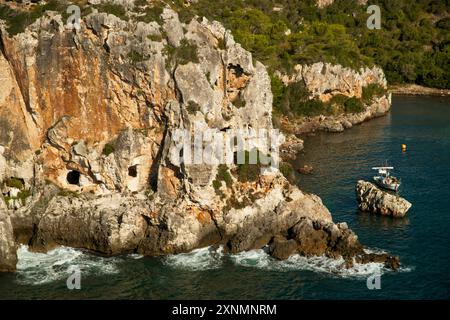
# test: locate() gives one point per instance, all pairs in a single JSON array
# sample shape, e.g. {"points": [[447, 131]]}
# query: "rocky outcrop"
{"points": [[416, 90], [375, 200], [311, 237], [324, 81], [8, 246], [88, 121], [291, 147], [379, 107]]}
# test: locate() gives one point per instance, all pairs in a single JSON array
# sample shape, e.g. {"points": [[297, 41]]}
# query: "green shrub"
{"points": [[339, 99], [353, 105], [135, 57], [192, 107], [287, 170], [185, 53], [222, 175], [108, 149], [15, 183], [23, 195], [278, 91], [217, 185], [313, 107], [221, 44], [18, 20], [155, 37], [247, 172], [372, 90], [67, 193], [114, 9], [444, 23], [151, 13]]}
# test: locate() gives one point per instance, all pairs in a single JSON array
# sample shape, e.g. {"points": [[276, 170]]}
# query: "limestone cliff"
{"points": [[325, 81], [87, 119]]}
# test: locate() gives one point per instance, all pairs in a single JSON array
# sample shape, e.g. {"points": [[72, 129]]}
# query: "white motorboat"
{"points": [[385, 180]]}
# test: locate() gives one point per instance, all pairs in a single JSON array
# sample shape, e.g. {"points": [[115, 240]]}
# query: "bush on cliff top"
{"points": [[114, 9], [412, 45], [185, 53], [18, 20]]}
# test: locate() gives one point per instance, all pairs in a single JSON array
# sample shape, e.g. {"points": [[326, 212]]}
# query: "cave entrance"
{"points": [[132, 171], [73, 177]]}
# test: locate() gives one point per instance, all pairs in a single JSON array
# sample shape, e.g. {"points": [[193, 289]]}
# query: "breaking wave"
{"points": [[336, 267], [261, 260], [40, 268], [199, 259], [210, 258]]}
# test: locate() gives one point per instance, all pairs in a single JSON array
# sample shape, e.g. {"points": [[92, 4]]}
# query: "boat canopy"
{"points": [[383, 170]]}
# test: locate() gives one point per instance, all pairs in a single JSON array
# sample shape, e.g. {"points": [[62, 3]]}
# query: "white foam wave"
{"points": [[199, 259], [135, 256], [209, 258], [374, 250], [336, 267], [39, 268]]}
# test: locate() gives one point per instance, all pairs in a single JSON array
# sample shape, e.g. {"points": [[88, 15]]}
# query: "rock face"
{"points": [[87, 125], [324, 81], [379, 107], [375, 200], [8, 246], [325, 3], [311, 237]]}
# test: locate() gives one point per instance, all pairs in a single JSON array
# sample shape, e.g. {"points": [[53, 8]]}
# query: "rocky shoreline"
{"points": [[339, 123], [87, 164], [416, 90], [335, 80]]}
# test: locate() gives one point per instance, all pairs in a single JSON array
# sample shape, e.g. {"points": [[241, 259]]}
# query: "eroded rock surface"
{"points": [[311, 237], [8, 246]]}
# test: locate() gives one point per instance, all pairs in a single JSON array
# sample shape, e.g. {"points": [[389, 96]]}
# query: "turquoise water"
{"points": [[421, 239]]}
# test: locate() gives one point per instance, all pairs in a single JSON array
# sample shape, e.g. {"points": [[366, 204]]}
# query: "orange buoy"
{"points": [[403, 147]]}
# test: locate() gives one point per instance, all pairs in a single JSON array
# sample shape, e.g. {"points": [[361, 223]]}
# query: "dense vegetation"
{"points": [[412, 46], [294, 100]]}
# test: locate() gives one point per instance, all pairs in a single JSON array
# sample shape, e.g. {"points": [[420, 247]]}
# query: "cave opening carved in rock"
{"points": [[73, 177], [132, 171]]}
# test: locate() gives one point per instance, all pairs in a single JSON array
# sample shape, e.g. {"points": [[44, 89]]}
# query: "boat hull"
{"points": [[383, 183]]}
